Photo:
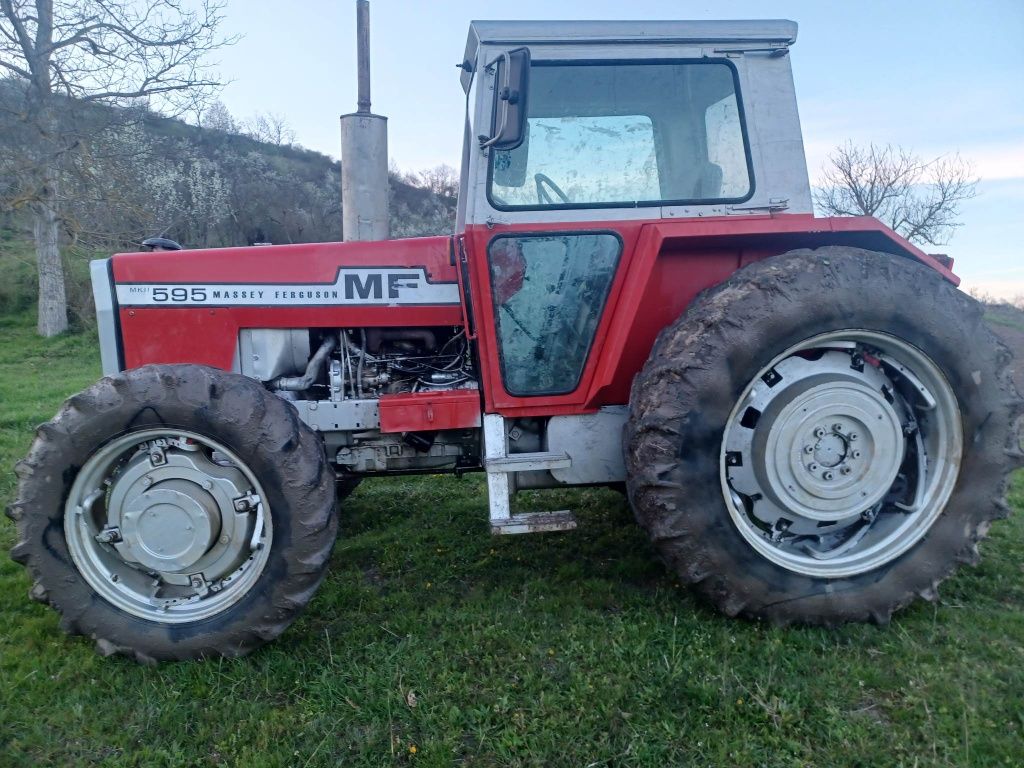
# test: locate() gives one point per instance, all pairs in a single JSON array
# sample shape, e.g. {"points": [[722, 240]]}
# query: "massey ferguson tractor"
{"points": [[812, 423]]}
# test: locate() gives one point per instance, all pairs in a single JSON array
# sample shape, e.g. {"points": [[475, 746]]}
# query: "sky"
{"points": [[935, 77]]}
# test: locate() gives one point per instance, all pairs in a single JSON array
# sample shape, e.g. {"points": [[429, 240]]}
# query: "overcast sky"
{"points": [[936, 77]]}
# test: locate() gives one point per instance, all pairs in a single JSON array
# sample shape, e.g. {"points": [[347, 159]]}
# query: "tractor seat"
{"points": [[709, 182]]}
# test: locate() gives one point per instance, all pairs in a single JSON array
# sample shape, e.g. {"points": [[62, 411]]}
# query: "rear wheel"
{"points": [[175, 512], [823, 437]]}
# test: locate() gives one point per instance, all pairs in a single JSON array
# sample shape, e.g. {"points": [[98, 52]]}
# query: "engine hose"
{"points": [[300, 383], [362, 356]]}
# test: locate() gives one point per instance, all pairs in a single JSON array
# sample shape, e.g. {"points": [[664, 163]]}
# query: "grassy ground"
{"points": [[433, 644]]}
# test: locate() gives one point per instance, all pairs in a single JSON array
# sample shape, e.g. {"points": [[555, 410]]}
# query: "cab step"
{"points": [[535, 522], [502, 468], [528, 462]]}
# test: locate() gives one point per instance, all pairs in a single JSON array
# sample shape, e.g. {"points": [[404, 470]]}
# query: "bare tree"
{"points": [[442, 180], [217, 117], [73, 53], [270, 128], [918, 199]]}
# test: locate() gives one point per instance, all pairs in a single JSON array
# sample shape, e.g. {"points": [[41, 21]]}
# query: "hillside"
{"points": [[130, 173]]}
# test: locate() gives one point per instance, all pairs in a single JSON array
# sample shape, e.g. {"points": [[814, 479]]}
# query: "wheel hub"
{"points": [[830, 450], [168, 529], [855, 436]]}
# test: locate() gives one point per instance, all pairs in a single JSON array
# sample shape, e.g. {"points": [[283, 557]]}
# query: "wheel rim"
{"points": [[841, 454], [169, 526]]}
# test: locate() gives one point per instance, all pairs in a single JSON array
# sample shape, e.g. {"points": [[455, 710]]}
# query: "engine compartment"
{"points": [[354, 385]]}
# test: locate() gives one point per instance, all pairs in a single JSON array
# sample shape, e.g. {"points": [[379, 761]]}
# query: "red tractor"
{"points": [[812, 423]]}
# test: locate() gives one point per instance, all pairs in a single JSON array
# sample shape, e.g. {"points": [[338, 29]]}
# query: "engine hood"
{"points": [[188, 306], [385, 273]]}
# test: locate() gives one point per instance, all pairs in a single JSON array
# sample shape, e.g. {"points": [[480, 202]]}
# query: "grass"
{"points": [[571, 649]]}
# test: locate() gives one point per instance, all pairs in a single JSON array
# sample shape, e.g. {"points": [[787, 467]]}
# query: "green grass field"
{"points": [[433, 644]]}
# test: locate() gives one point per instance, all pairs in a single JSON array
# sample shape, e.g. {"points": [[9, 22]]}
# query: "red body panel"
{"points": [[209, 334], [428, 411], [664, 264]]}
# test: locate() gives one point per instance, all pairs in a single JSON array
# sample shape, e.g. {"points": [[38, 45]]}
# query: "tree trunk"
{"points": [[53, 304]]}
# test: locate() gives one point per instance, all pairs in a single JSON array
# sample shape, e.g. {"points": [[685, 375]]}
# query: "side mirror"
{"points": [[513, 80]]}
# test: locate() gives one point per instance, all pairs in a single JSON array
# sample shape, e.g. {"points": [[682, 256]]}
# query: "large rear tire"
{"points": [[823, 437], [175, 512]]}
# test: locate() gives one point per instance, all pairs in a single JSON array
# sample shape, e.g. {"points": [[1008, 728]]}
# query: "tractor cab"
{"points": [[602, 121]]}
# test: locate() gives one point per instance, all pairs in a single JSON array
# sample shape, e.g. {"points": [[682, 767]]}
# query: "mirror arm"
{"points": [[485, 142]]}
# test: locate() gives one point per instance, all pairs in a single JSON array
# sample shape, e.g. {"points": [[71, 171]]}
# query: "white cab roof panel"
{"points": [[765, 31], [760, 30]]}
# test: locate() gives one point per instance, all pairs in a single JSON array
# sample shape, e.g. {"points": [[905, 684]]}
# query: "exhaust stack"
{"points": [[364, 152]]}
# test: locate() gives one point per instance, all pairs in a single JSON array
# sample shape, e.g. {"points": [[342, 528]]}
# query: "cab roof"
{"points": [[766, 31]]}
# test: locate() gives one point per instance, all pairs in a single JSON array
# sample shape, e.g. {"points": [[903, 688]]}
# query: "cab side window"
{"points": [[604, 134]]}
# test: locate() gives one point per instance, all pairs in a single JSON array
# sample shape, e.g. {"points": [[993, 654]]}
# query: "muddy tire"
{"points": [[175, 512], [743, 457]]}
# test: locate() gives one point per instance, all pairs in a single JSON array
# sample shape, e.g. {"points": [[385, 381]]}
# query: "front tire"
{"points": [[175, 512], [740, 461]]}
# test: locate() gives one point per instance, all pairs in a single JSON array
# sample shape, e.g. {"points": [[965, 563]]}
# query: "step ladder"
{"points": [[500, 464]]}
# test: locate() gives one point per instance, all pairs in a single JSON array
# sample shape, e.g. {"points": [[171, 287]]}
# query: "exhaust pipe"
{"points": [[364, 152]]}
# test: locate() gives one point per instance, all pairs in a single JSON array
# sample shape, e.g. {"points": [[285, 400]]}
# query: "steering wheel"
{"points": [[543, 196]]}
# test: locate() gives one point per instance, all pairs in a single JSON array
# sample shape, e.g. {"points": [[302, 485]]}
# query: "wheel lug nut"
{"points": [[837, 427], [856, 454], [853, 435], [808, 449], [819, 432], [828, 475], [845, 470], [812, 467]]}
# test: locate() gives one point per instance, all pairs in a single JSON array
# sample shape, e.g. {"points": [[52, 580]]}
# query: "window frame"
{"points": [[740, 111], [496, 306]]}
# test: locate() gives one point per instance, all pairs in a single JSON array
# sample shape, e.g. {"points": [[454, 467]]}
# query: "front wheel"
{"points": [[823, 437], [175, 512]]}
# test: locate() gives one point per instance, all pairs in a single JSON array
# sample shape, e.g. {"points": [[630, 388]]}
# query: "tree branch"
{"points": [[19, 29], [919, 200]]}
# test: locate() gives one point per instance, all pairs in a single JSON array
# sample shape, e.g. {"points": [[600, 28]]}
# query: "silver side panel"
{"points": [[106, 317], [594, 441], [346, 415], [266, 353]]}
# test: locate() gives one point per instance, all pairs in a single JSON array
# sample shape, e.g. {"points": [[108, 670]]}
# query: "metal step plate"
{"points": [[536, 522], [528, 462]]}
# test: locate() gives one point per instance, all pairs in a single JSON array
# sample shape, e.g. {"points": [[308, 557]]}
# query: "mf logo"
{"points": [[379, 286], [371, 286]]}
